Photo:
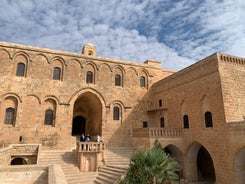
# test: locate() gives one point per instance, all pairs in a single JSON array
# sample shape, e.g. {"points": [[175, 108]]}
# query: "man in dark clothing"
{"points": [[82, 138]]}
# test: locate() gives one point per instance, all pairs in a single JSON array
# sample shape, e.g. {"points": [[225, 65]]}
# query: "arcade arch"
{"points": [[239, 166], [173, 151], [199, 164]]}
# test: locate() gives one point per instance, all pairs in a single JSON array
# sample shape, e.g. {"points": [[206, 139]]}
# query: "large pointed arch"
{"points": [[87, 112], [199, 164]]}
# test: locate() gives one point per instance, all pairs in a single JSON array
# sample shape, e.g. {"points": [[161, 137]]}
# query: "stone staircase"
{"points": [[116, 164], [66, 159]]}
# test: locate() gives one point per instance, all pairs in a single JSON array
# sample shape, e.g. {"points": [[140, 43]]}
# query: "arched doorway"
{"points": [[239, 166], [205, 165], [18, 161], [78, 125], [199, 164], [174, 152], [87, 115]]}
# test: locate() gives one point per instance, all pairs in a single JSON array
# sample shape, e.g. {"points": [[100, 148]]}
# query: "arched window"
{"points": [[49, 117], [117, 80], [9, 116], [162, 122], [57, 73], [116, 113], [89, 78], [142, 81], [208, 119], [90, 53], [145, 124], [160, 103], [186, 121], [20, 71]]}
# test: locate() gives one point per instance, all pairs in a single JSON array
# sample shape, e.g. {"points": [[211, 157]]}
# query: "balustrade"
{"points": [[90, 146], [158, 132]]}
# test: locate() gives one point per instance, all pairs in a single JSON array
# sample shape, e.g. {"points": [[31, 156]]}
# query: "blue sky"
{"points": [[175, 32]]}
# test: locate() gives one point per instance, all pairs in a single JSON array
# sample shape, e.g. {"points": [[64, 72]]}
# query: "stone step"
{"points": [[69, 165], [104, 180], [109, 174]]}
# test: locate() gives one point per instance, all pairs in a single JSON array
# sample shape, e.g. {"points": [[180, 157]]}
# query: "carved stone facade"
{"points": [[50, 97]]}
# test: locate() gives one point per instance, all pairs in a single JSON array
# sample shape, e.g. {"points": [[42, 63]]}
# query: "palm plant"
{"points": [[153, 166]]}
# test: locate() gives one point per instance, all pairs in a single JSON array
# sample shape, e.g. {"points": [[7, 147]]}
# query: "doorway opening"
{"points": [[78, 125], [18, 161], [87, 115], [205, 165]]}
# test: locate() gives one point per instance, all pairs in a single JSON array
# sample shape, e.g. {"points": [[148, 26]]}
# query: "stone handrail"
{"points": [[90, 146], [158, 132]]}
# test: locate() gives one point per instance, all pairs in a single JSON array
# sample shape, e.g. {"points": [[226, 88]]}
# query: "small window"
{"points": [[90, 53], [162, 123], [9, 116], [49, 117], [208, 119], [20, 69], [117, 80], [160, 103], [57, 73], [89, 78], [186, 121], [142, 81], [116, 113], [145, 124]]}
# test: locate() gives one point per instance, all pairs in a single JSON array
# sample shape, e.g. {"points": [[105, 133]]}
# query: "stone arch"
{"points": [[31, 110], [21, 58], [88, 107], [199, 164], [120, 72], [143, 71], [58, 64], [52, 97], [86, 63], [119, 67], [121, 107], [35, 96], [50, 106], [131, 77], [59, 59], [10, 102], [7, 52], [104, 75], [40, 67], [5, 62], [175, 152], [23, 53], [143, 74], [239, 166], [75, 60], [90, 67], [105, 64], [15, 95], [40, 54], [18, 161], [73, 70]]}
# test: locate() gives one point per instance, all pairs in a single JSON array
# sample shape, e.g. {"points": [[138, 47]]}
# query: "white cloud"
{"points": [[175, 32]]}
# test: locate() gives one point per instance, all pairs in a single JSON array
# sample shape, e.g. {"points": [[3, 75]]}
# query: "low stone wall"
{"points": [[28, 152], [5, 156], [32, 174], [24, 174]]}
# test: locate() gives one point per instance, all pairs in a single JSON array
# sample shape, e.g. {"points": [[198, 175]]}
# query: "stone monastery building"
{"points": [[51, 97]]}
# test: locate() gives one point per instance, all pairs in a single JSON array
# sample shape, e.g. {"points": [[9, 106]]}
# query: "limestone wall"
{"points": [[36, 91]]}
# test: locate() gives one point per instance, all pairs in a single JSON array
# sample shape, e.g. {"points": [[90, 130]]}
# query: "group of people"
{"points": [[87, 138]]}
